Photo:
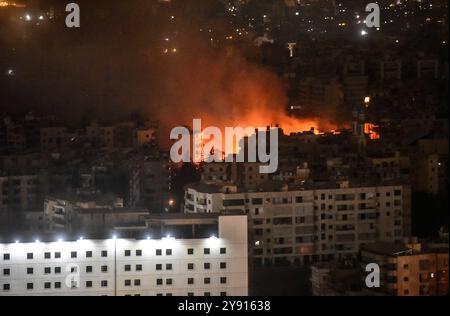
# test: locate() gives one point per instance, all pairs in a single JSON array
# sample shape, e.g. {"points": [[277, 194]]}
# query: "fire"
{"points": [[370, 129]]}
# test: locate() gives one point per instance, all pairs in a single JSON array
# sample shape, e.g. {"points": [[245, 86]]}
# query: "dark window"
{"points": [[30, 270], [223, 251], [104, 253], [159, 281], [206, 251], [6, 256], [158, 266], [168, 252], [223, 293], [6, 272], [207, 280], [168, 266], [73, 254], [223, 265], [206, 265], [223, 280], [138, 253], [104, 268], [47, 285], [47, 270], [158, 252], [168, 281], [207, 293], [57, 285], [88, 269], [47, 255], [6, 287], [127, 282], [127, 267], [57, 270], [30, 286], [190, 294], [127, 253], [190, 266], [137, 282], [57, 255], [104, 283], [30, 255], [88, 254], [190, 251], [190, 280], [139, 267], [88, 283]]}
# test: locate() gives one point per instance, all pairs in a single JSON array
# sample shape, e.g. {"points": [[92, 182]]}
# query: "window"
{"points": [[29, 255], [223, 265], [6, 256], [73, 269], [168, 281], [47, 270], [159, 294], [405, 266], [88, 283], [190, 251], [47, 255], [223, 293], [127, 267], [223, 280], [104, 283], [168, 266], [104, 268], [88, 254], [30, 286], [57, 255], [127, 282], [190, 294], [158, 266], [138, 253], [30, 271], [137, 282], [88, 269], [207, 293], [190, 281], [6, 287], [73, 254], [127, 253], [168, 252], [57, 285], [6, 272], [159, 252], [57, 270], [206, 265], [104, 253], [206, 251], [47, 285], [190, 266], [406, 279], [207, 280], [159, 281], [406, 292], [223, 251]]}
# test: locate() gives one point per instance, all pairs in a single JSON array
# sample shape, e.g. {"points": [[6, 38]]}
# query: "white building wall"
{"points": [[227, 273]]}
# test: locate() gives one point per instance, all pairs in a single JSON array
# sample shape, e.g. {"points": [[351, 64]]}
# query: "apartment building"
{"points": [[18, 194], [211, 266], [409, 269], [307, 224]]}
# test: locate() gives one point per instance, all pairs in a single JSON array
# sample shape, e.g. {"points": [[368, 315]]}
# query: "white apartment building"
{"points": [[214, 266], [310, 224]]}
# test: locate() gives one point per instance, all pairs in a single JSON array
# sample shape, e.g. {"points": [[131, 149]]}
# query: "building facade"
{"points": [[215, 266], [307, 225]]}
